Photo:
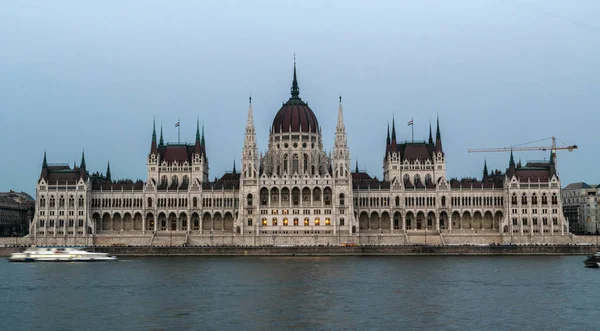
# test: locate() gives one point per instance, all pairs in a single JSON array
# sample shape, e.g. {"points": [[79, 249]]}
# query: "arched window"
{"points": [[524, 199], [274, 221], [544, 199], [149, 202], [397, 201], [248, 199], [61, 201], [306, 222], [342, 200], [163, 180], [186, 179], [264, 196], [296, 221], [195, 201], [534, 199], [327, 196], [342, 221], [513, 199], [71, 201], [295, 164], [417, 179], [285, 163], [554, 199], [174, 180], [305, 163], [427, 179], [52, 201], [443, 201], [317, 221], [406, 179], [42, 201], [81, 201]]}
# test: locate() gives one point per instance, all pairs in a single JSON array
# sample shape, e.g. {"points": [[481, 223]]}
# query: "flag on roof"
{"points": [[410, 122], [177, 124]]}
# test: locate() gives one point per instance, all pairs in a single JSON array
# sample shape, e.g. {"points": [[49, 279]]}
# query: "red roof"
{"points": [[297, 115]]}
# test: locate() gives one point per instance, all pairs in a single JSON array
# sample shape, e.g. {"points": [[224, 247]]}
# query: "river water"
{"points": [[270, 293]]}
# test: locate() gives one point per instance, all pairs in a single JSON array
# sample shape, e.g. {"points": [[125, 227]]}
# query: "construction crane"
{"points": [[518, 148]]}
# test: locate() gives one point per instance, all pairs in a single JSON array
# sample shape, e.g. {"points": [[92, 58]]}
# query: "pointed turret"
{"points": [[202, 141], [341, 152], [234, 166], [393, 129], [295, 88], [485, 169], [511, 163], [82, 166], [387, 140], [356, 166], [250, 160], [430, 135], [153, 145], [108, 177], [198, 147], [44, 173], [438, 137], [161, 142]]}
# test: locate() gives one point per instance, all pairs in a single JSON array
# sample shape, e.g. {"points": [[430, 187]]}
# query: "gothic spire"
{"points": [[197, 130], [485, 169], [387, 140], [393, 128], [161, 142], [437, 131], [82, 165], [234, 166], [356, 166], [44, 163], [438, 137], [340, 120], [154, 130], [430, 136], [511, 162], [295, 89], [108, 172], [202, 141]]}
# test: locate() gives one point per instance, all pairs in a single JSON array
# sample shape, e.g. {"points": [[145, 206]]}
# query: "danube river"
{"points": [[256, 293]]}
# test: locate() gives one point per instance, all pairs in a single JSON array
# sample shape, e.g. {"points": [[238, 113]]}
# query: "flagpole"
{"points": [[412, 127], [178, 131]]}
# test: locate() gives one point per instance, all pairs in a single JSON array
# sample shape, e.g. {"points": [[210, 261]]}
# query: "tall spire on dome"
{"points": [[295, 89]]}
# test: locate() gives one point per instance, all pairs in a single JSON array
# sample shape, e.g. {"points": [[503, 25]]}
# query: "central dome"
{"points": [[295, 115]]}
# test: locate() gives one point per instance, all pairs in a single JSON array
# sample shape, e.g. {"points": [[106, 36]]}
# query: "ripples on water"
{"points": [[242, 293]]}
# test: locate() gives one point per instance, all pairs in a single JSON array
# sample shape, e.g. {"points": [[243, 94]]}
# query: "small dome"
{"points": [[295, 115]]}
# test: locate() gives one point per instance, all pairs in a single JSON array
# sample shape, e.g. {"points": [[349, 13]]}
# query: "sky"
{"points": [[92, 75]]}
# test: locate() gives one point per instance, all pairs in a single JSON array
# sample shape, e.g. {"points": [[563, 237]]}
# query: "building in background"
{"points": [[299, 191], [16, 213], [580, 206]]}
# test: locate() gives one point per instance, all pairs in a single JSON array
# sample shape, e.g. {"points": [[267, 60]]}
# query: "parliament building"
{"points": [[297, 194]]}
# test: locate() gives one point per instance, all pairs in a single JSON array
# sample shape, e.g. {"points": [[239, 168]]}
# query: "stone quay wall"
{"points": [[406, 250]]}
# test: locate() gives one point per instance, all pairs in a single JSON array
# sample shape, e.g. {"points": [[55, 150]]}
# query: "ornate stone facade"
{"points": [[297, 191]]}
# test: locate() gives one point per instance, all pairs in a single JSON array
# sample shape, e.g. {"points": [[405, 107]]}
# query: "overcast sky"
{"points": [[91, 75]]}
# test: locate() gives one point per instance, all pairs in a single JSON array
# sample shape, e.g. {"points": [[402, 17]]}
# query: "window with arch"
{"points": [[443, 201], [274, 221], [186, 179], [406, 179], [417, 179], [296, 221], [71, 201], [264, 222], [163, 180], [195, 202], [248, 199], [43, 201], [513, 199], [149, 202], [544, 199], [264, 196], [61, 201], [397, 201], [554, 199], [295, 163], [342, 199], [175, 180], [327, 196], [427, 179], [81, 201], [306, 222], [285, 163], [342, 221], [52, 201], [524, 199], [534, 199], [317, 221]]}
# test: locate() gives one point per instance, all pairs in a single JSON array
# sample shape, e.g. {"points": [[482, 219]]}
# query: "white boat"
{"points": [[56, 254], [593, 261]]}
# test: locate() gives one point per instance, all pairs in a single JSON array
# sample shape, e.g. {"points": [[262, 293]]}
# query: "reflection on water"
{"points": [[199, 293]]}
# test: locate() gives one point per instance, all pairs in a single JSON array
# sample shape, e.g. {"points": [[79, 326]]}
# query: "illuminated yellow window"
{"points": [[306, 221], [264, 222], [317, 221], [285, 222], [274, 221], [327, 221], [296, 221]]}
